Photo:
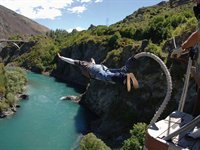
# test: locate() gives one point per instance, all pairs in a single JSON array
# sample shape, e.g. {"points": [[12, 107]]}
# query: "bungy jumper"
{"points": [[171, 132]]}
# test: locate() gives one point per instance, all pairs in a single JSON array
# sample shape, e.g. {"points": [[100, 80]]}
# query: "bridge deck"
{"points": [[5, 40], [170, 124]]}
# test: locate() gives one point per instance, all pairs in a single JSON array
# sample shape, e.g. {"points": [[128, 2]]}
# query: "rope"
{"points": [[169, 83], [185, 88]]}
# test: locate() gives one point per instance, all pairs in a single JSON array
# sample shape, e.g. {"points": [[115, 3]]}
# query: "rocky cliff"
{"points": [[116, 109]]}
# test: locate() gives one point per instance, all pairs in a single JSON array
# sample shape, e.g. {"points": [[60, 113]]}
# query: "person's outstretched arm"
{"points": [[193, 39], [68, 60]]}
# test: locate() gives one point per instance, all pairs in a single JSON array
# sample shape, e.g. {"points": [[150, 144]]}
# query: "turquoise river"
{"points": [[44, 122]]}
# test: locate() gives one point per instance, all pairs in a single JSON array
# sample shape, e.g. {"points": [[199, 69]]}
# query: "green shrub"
{"points": [[128, 32], [100, 30], [2, 80], [15, 80], [114, 55], [91, 142], [41, 55], [188, 26], [153, 48], [158, 30], [132, 144], [3, 105], [136, 141], [10, 99], [114, 39]]}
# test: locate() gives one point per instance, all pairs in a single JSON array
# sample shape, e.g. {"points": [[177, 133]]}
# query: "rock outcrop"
{"points": [[73, 98]]}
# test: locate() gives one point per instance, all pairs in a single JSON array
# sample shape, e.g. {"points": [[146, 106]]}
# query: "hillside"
{"points": [[147, 29], [12, 23]]}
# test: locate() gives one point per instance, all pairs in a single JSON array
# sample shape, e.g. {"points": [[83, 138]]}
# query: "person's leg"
{"points": [[122, 70], [118, 78], [134, 80], [130, 64], [100, 72]]}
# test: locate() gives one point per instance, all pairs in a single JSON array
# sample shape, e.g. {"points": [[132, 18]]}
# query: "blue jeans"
{"points": [[101, 72]]}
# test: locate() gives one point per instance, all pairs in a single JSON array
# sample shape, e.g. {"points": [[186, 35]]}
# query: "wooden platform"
{"points": [[156, 133]]}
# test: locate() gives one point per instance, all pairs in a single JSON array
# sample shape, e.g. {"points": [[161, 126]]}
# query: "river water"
{"points": [[44, 122]]}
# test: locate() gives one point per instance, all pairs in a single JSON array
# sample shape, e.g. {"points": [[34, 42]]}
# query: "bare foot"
{"points": [[134, 81], [128, 82], [131, 78]]}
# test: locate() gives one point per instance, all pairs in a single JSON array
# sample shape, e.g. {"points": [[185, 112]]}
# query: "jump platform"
{"points": [[158, 131]]}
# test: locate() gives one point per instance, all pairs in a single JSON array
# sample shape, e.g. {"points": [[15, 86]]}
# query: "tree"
{"points": [[136, 141], [91, 142], [171, 3], [114, 38]]}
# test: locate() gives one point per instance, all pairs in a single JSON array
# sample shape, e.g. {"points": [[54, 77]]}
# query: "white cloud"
{"points": [[37, 9], [77, 9], [85, 1], [98, 1], [47, 9]]}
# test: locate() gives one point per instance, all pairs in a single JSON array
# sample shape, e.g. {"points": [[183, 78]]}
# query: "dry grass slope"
{"points": [[12, 23]]}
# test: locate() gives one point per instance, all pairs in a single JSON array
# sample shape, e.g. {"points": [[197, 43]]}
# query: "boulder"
{"points": [[24, 96], [71, 97]]}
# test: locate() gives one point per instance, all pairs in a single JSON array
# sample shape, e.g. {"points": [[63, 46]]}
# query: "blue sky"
{"points": [[76, 14]]}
